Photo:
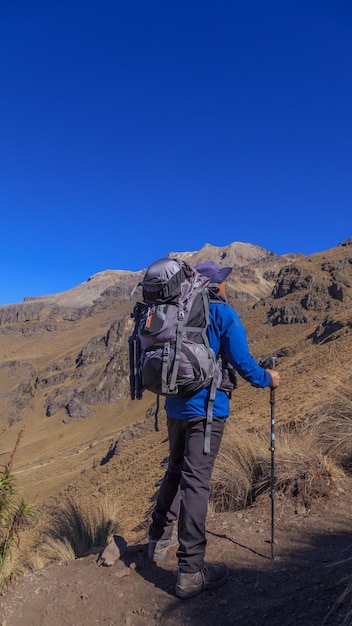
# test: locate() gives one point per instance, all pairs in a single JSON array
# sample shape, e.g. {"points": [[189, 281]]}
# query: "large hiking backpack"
{"points": [[169, 349]]}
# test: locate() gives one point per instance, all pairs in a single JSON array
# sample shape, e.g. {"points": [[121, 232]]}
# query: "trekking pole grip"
{"points": [[272, 403]]}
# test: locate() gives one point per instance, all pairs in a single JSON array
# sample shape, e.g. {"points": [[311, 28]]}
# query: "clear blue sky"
{"points": [[132, 129]]}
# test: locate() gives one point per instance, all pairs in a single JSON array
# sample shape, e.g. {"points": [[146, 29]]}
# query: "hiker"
{"points": [[185, 489]]}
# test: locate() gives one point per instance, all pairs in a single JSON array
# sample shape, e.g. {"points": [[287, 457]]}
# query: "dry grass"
{"points": [[12, 568], [331, 425], [78, 528], [235, 469], [301, 470], [243, 468], [49, 550]]}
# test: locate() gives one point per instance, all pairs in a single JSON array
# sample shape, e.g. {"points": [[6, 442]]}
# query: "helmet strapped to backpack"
{"points": [[163, 280]]}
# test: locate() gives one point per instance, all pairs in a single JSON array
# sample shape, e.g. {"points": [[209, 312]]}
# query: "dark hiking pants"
{"points": [[185, 489]]}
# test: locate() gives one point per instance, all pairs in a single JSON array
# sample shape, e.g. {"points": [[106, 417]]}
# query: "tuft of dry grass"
{"points": [[242, 470], [301, 470], [12, 568], [235, 469], [331, 425], [79, 528], [49, 550]]}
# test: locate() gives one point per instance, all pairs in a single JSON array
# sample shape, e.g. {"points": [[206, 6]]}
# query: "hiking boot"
{"points": [[211, 576], [157, 549]]}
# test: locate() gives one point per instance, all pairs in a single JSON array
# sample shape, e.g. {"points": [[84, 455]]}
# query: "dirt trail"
{"points": [[313, 552]]}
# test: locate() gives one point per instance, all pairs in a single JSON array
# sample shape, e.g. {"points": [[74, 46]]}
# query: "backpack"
{"points": [[169, 351]]}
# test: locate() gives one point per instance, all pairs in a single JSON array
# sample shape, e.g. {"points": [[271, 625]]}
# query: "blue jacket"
{"points": [[227, 335]]}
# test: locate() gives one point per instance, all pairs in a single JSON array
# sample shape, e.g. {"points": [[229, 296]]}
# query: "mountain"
{"points": [[64, 368]]}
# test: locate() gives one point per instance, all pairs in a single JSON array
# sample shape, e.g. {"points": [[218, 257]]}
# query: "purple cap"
{"points": [[213, 271]]}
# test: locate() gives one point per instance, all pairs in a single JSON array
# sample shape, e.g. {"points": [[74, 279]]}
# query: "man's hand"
{"points": [[275, 378]]}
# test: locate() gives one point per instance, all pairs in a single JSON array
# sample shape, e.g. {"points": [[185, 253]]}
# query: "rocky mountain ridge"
{"points": [[96, 292]]}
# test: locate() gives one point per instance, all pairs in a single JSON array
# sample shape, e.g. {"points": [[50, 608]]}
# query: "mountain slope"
{"points": [[63, 357]]}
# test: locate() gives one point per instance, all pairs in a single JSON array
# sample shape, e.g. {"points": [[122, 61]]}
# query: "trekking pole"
{"points": [[272, 450]]}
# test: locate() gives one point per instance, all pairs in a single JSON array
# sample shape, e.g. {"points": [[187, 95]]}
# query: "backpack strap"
{"points": [[156, 414], [165, 367], [181, 328], [210, 407], [206, 301], [180, 325]]}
